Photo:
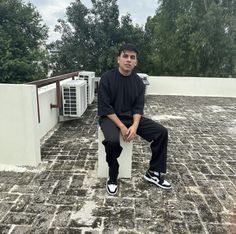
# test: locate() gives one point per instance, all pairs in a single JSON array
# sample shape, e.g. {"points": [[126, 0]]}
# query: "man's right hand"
{"points": [[124, 132], [123, 129]]}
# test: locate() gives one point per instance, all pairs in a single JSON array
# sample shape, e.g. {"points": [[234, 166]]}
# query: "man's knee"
{"points": [[111, 143], [112, 147], [162, 132]]}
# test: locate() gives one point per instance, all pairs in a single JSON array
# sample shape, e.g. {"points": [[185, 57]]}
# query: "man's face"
{"points": [[127, 61]]}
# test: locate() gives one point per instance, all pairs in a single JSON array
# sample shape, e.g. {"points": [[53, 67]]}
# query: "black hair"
{"points": [[128, 46]]}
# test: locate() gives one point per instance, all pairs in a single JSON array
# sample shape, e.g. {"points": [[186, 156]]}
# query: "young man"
{"points": [[120, 107]]}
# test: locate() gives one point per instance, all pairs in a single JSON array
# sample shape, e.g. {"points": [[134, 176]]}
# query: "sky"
{"points": [[52, 10]]}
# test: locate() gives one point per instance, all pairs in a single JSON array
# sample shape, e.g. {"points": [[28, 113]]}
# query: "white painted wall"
{"points": [[192, 86], [20, 132], [19, 141], [48, 116]]}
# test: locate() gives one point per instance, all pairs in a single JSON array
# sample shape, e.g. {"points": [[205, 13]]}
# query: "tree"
{"points": [[135, 34], [91, 37], [21, 43], [193, 38]]}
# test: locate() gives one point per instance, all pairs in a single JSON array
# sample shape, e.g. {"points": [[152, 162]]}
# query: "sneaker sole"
{"points": [[154, 182], [112, 194]]}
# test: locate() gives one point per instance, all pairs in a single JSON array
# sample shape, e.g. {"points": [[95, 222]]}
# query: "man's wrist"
{"points": [[135, 124], [121, 125]]}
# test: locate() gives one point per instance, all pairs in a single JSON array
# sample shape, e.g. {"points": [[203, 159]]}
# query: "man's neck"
{"points": [[124, 73]]}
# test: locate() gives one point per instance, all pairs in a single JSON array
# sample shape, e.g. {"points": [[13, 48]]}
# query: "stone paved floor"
{"points": [[63, 194]]}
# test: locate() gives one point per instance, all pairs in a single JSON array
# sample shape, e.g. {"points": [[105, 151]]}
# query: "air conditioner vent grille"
{"points": [[89, 77], [74, 98]]}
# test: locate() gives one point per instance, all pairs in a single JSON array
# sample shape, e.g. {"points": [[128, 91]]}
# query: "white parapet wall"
{"points": [[192, 86], [19, 137], [48, 115], [20, 131]]}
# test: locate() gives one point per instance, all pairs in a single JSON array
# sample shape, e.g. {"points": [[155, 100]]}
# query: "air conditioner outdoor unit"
{"points": [[74, 98], [89, 77], [144, 78]]}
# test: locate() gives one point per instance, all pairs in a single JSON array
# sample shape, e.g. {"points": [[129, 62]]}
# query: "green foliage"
{"points": [[193, 38], [184, 37], [91, 37], [21, 36]]}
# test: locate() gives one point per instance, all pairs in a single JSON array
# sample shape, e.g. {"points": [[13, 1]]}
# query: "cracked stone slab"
{"points": [[64, 196]]}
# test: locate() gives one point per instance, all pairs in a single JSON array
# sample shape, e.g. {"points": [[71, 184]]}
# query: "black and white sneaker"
{"points": [[111, 187], [156, 178]]}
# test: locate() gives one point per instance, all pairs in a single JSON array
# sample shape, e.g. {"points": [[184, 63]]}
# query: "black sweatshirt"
{"points": [[120, 95]]}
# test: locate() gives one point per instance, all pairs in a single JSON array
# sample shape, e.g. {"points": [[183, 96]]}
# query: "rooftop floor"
{"points": [[63, 195]]}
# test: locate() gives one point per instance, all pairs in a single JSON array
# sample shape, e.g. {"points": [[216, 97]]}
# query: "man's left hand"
{"points": [[131, 133]]}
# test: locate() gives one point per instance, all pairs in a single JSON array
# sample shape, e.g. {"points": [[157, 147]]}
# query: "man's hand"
{"points": [[124, 132], [132, 132], [133, 128], [128, 134], [120, 125]]}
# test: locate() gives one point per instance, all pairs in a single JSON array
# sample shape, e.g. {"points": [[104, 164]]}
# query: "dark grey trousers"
{"points": [[148, 130]]}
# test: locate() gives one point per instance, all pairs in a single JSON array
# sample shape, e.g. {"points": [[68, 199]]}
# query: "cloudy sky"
{"points": [[52, 10]]}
